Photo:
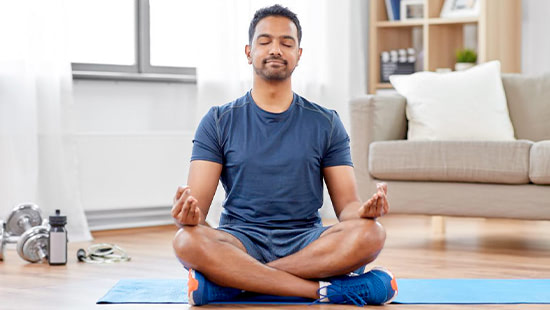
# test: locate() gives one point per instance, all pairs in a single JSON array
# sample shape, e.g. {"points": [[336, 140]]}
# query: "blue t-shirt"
{"points": [[272, 162]]}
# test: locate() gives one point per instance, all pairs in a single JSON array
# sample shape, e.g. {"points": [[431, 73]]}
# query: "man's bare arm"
{"points": [[192, 202], [347, 205]]}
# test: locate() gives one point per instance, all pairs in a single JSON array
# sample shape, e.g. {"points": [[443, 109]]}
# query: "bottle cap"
{"points": [[58, 219]]}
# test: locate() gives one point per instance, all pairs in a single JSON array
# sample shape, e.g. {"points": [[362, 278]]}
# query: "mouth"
{"points": [[275, 61]]}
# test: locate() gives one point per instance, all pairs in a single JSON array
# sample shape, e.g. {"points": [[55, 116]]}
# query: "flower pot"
{"points": [[459, 66]]}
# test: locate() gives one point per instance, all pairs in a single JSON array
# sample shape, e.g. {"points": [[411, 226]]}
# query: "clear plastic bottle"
{"points": [[57, 244]]}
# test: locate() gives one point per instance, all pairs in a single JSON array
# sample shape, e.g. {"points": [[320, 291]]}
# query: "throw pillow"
{"points": [[529, 105], [464, 105]]}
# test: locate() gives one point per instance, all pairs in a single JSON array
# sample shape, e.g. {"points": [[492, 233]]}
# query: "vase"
{"points": [[459, 66]]}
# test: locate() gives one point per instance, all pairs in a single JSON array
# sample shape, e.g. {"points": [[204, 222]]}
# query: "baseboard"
{"points": [[128, 218]]}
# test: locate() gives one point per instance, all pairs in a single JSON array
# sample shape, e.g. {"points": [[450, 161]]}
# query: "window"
{"points": [[132, 39], [171, 36]]}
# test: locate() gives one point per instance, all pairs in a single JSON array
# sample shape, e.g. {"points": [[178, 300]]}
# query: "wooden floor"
{"points": [[470, 248]]}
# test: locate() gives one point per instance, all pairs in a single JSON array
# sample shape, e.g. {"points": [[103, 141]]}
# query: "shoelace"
{"points": [[350, 295]]}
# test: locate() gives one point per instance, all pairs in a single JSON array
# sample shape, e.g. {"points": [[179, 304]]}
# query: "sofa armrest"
{"points": [[375, 118]]}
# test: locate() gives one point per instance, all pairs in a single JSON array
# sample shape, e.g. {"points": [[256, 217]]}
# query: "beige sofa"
{"points": [[502, 179]]}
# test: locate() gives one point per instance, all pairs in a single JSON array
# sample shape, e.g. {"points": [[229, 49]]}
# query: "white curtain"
{"points": [[37, 156], [331, 71]]}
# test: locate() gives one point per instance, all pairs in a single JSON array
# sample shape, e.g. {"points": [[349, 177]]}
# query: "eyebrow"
{"points": [[265, 35]]}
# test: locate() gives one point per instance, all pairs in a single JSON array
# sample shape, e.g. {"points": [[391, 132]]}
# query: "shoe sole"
{"points": [[192, 286], [393, 283]]}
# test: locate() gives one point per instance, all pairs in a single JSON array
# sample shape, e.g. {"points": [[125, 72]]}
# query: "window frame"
{"points": [[142, 70]]}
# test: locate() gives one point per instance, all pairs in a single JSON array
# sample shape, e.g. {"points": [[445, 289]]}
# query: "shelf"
{"points": [[397, 23], [430, 21], [443, 21], [495, 34]]}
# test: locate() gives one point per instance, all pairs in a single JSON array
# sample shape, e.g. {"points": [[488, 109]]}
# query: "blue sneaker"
{"points": [[201, 291], [375, 287]]}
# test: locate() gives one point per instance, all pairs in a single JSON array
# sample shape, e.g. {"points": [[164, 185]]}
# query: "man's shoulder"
{"points": [[315, 109], [232, 106]]}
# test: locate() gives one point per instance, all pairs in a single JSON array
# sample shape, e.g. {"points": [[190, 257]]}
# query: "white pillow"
{"points": [[464, 105]]}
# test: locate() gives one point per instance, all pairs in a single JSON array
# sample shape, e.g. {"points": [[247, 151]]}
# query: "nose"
{"points": [[275, 49]]}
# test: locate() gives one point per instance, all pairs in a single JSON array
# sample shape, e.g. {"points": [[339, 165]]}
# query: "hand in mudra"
{"points": [[185, 208], [377, 205]]}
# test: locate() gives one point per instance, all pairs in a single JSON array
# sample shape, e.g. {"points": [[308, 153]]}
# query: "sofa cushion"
{"points": [[460, 161], [529, 105], [539, 165], [459, 106]]}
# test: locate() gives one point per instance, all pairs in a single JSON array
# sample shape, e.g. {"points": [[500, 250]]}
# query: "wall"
{"points": [[133, 141], [535, 57]]}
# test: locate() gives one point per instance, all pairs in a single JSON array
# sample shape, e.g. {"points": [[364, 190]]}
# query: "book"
{"points": [[396, 7], [392, 9], [389, 10]]}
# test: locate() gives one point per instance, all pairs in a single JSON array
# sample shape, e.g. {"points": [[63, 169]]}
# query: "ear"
{"points": [[247, 51], [299, 55]]}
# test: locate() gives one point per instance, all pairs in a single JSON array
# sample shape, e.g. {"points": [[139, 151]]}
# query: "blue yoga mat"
{"points": [[411, 291], [473, 291], [174, 291], [147, 291]]}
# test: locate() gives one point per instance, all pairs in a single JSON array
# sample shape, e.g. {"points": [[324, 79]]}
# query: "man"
{"points": [[272, 149]]}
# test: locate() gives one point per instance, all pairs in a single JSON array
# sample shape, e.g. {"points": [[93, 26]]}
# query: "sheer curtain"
{"points": [[332, 68], [37, 156]]}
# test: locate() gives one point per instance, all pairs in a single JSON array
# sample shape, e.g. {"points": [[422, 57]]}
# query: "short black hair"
{"points": [[274, 10]]}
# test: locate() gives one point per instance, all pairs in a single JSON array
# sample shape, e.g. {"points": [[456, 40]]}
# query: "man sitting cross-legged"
{"points": [[272, 149]]}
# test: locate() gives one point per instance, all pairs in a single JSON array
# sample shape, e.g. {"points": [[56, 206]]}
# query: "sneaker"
{"points": [[375, 287], [201, 291]]}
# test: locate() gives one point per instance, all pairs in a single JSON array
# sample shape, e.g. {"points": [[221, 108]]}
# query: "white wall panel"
{"points": [[118, 171]]}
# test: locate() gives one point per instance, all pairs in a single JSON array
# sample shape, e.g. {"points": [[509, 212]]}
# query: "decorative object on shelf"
{"points": [[460, 8], [392, 9], [465, 59], [412, 9], [396, 62], [443, 70]]}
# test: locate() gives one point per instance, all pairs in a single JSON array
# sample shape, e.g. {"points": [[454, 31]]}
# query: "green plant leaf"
{"points": [[466, 55]]}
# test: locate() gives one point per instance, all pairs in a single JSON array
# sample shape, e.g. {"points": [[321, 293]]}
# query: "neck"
{"points": [[272, 96]]}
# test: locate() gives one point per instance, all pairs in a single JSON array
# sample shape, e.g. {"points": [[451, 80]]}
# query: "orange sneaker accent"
{"points": [[394, 284], [192, 283]]}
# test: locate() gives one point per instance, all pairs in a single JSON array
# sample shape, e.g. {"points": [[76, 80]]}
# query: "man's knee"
{"points": [[371, 237], [188, 244]]}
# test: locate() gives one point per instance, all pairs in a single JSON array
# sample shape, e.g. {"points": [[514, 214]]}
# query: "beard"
{"points": [[274, 74]]}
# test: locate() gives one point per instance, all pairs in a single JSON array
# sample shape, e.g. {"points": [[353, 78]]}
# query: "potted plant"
{"points": [[465, 59]]}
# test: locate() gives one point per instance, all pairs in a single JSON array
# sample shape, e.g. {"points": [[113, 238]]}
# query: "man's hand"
{"points": [[377, 205], [185, 208]]}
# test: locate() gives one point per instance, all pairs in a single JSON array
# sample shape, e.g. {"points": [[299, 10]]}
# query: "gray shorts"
{"points": [[266, 244]]}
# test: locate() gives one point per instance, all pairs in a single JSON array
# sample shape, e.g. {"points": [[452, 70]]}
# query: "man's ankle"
{"points": [[323, 291]]}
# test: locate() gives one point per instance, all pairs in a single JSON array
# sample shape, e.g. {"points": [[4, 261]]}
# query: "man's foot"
{"points": [[375, 287], [201, 291]]}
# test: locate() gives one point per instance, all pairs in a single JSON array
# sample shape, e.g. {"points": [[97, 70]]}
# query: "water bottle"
{"points": [[57, 244]]}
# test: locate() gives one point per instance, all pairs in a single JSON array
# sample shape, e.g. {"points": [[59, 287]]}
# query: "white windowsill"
{"points": [[140, 77]]}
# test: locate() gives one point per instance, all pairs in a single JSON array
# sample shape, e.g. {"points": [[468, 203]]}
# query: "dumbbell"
{"points": [[33, 244], [20, 229], [22, 218]]}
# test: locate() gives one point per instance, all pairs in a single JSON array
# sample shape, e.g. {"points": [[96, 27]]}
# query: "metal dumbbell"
{"points": [[33, 244], [22, 218], [21, 221]]}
